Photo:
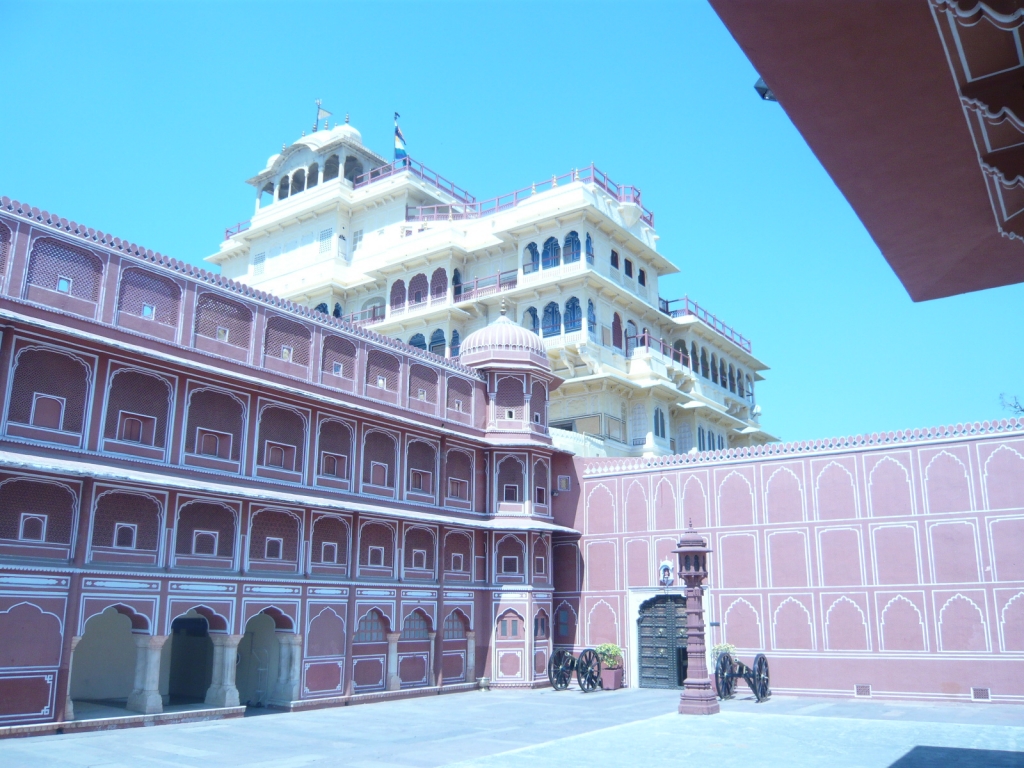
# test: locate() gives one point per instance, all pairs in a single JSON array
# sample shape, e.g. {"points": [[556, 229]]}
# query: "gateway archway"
{"points": [[661, 630]]}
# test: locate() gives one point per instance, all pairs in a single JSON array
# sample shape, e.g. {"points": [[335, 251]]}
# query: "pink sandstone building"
{"points": [[213, 497]]}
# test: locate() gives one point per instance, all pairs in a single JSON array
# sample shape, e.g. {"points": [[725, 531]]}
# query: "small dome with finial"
{"points": [[504, 344]]}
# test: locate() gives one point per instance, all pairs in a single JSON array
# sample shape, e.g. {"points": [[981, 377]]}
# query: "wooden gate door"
{"points": [[662, 630]]}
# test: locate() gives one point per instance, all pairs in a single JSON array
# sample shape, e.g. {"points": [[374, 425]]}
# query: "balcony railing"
{"points": [[239, 227], [486, 286], [420, 171], [689, 307], [647, 341], [367, 317], [475, 210]]}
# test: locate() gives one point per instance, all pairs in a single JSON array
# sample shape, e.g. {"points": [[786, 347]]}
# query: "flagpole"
{"points": [[316, 122]]}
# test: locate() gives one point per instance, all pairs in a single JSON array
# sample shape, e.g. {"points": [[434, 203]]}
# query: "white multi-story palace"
{"points": [[574, 258]]}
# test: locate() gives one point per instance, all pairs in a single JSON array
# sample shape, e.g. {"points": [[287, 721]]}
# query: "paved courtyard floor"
{"points": [[544, 728]]}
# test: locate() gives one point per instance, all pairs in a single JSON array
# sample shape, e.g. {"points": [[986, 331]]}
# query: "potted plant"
{"points": [[716, 651], [611, 665]]}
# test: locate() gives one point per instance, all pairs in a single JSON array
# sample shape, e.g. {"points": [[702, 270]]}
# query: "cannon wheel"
{"points": [[724, 681], [760, 678], [588, 671], [560, 669]]}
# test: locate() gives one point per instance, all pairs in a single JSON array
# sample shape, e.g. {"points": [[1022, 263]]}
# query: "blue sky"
{"points": [[144, 119]]}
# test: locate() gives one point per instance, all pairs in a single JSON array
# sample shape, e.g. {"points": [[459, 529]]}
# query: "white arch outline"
{"points": [[984, 473], [863, 620], [757, 620], [800, 492], [981, 618], [810, 624], [967, 479], [906, 476], [920, 623], [817, 489], [750, 491]]}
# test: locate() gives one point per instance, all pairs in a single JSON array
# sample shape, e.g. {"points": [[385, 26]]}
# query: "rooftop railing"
{"points": [[420, 171], [475, 210], [689, 307], [239, 227]]}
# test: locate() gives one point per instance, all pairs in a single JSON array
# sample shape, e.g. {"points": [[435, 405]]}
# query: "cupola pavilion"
{"points": [[399, 248]]}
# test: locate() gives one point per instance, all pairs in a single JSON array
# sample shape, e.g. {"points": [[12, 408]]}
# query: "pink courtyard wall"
{"points": [[893, 561]]}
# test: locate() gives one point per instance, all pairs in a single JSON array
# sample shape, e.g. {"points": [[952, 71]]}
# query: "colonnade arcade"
{"points": [[117, 662]]}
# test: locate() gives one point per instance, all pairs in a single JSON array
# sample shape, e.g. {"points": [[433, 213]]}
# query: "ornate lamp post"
{"points": [[697, 697]]}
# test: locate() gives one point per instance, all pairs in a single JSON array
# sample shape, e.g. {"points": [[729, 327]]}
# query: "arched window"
{"points": [[398, 294], [415, 627], [590, 249], [371, 629], [552, 255], [353, 168], [510, 480], [714, 368], [704, 370], [455, 344], [750, 389], [337, 310], [331, 168], [312, 176], [530, 320], [639, 424], [694, 359], [267, 194], [573, 315], [739, 383], [298, 181], [680, 355], [531, 259], [700, 438], [322, 308], [591, 318], [454, 627], [723, 374], [457, 283], [282, 188], [418, 341], [552, 324], [437, 342], [572, 248], [616, 331], [659, 423], [438, 284], [732, 378], [418, 289], [631, 336]]}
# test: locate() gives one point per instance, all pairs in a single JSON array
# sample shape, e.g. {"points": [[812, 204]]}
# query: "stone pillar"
{"points": [[394, 682], [69, 707], [431, 655], [697, 697], [222, 691], [145, 696], [470, 656], [289, 670]]}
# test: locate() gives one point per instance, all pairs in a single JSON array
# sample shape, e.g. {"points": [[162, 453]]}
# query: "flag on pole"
{"points": [[322, 113], [400, 153]]}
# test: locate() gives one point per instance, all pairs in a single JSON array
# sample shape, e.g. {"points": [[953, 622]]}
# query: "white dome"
{"points": [[322, 138], [503, 343]]}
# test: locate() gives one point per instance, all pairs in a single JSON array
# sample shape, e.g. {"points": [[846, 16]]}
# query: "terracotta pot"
{"points": [[611, 679]]}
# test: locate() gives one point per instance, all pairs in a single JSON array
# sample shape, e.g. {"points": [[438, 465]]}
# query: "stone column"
{"points": [[289, 670], [222, 691], [394, 682], [470, 656], [145, 697], [697, 697], [69, 707], [431, 655]]}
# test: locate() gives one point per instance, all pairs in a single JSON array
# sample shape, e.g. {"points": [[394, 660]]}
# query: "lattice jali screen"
{"points": [[5, 247], [422, 456], [336, 438], [510, 472], [333, 531], [377, 535], [460, 395], [458, 544], [540, 550], [422, 383], [52, 260], [140, 289], [459, 466], [218, 411], [285, 333], [280, 425], [381, 366], [215, 315], [509, 396], [54, 501], [540, 474], [379, 447], [50, 373], [398, 294], [339, 351], [538, 399], [418, 288], [438, 283], [204, 516], [132, 508], [141, 393], [422, 539], [415, 627], [279, 525], [510, 546]]}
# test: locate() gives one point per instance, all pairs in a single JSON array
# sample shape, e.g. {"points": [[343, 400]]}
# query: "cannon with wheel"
{"points": [[587, 667], [727, 670]]}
